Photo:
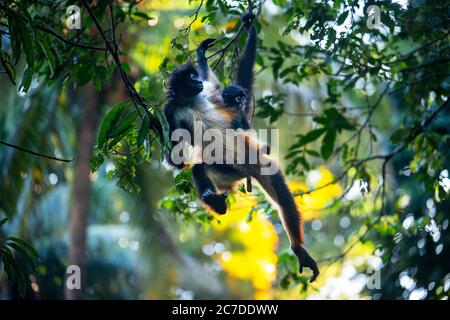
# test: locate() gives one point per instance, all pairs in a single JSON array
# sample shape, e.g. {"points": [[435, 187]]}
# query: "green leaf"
{"points": [[279, 2], [304, 163], [27, 78], [49, 55], [331, 37], [109, 121], [337, 121], [387, 21], [313, 153], [25, 32], [14, 270], [15, 41], [8, 258], [125, 67], [24, 254], [124, 124], [3, 221], [288, 70], [143, 131], [142, 15], [342, 17], [311, 136], [399, 135], [328, 144], [164, 139], [26, 245]]}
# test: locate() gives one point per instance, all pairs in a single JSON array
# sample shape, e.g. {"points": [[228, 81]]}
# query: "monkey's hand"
{"points": [[215, 201], [265, 149], [206, 44], [305, 260], [247, 19]]}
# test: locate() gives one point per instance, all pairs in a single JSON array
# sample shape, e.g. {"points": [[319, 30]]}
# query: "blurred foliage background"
{"points": [[361, 102]]}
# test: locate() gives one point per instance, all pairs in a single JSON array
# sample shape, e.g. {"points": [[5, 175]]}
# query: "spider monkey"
{"points": [[195, 93]]}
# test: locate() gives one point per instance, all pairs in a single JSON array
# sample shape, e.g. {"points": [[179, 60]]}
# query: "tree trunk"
{"points": [[81, 198]]}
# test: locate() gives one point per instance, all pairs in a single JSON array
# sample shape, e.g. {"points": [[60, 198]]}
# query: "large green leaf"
{"points": [[49, 55], [13, 270], [124, 124], [309, 137], [328, 144], [110, 120], [26, 245], [24, 253], [24, 32], [143, 131], [3, 221], [342, 17], [27, 78]]}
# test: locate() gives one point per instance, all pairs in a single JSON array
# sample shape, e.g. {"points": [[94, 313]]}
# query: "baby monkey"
{"points": [[235, 98]]}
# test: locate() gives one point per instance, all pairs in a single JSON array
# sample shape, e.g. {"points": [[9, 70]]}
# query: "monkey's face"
{"points": [[235, 96], [195, 85], [185, 82], [241, 100]]}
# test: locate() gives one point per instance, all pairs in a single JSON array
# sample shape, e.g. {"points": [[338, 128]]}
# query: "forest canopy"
{"points": [[357, 89]]}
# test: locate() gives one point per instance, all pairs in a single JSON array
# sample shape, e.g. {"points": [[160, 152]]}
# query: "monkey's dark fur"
{"points": [[235, 98], [195, 93]]}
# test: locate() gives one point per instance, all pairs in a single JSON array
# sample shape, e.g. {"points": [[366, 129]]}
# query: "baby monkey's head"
{"points": [[234, 96]]}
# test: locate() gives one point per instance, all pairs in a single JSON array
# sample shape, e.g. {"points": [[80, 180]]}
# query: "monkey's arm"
{"points": [[204, 70], [240, 123], [244, 76], [169, 109]]}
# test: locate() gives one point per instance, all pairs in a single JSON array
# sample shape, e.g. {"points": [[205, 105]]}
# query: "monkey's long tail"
{"points": [[275, 186]]}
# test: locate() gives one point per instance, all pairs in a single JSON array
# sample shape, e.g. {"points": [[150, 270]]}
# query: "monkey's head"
{"points": [[235, 96], [184, 82]]}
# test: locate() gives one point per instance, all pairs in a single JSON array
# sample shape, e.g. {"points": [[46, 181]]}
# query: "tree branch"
{"points": [[35, 153]]}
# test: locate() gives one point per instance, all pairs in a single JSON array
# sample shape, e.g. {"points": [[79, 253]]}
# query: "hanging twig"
{"points": [[187, 30], [138, 101]]}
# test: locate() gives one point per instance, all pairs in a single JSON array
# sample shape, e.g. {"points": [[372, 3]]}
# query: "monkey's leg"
{"points": [[277, 189], [207, 191]]}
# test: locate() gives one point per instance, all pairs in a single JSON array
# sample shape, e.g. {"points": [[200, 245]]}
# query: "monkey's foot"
{"points": [[305, 260], [206, 44], [215, 201]]}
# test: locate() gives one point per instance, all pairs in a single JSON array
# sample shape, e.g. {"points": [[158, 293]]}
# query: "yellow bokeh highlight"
{"points": [[311, 204], [255, 260], [169, 5], [149, 57]]}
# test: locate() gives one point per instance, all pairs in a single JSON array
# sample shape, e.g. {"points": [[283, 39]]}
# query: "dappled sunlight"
{"points": [[150, 56]]}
